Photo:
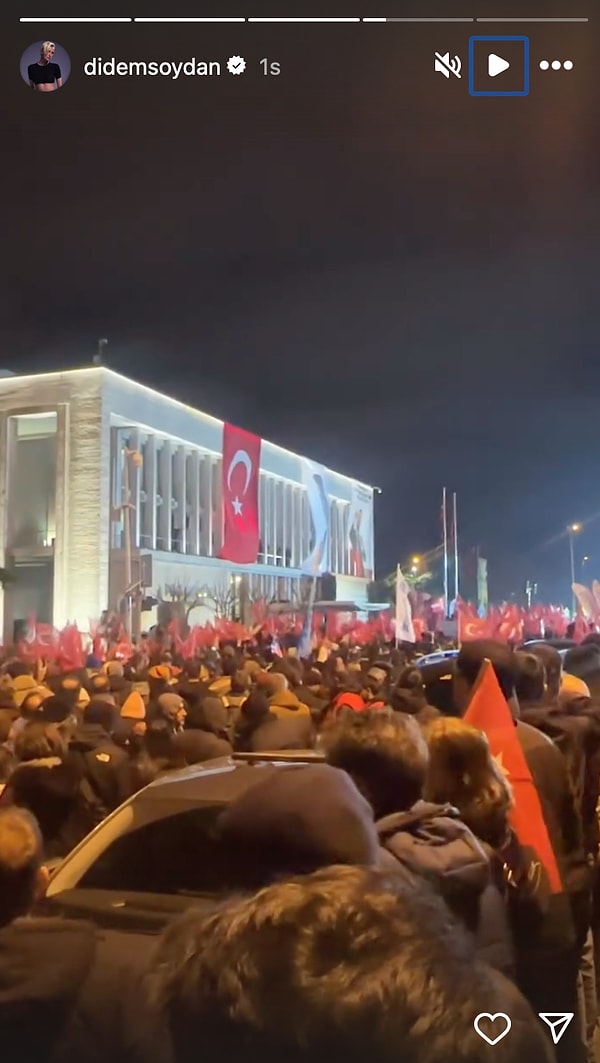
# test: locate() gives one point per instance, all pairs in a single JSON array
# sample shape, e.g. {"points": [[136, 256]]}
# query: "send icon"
{"points": [[557, 1022]]}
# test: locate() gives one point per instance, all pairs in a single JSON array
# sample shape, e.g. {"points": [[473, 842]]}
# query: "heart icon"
{"points": [[492, 1019]]}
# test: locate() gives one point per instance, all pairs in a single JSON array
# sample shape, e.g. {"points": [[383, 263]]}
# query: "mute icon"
{"points": [[557, 1022]]}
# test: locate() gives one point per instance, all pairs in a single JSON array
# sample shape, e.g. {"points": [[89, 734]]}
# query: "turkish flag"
{"points": [[240, 472], [489, 712]]}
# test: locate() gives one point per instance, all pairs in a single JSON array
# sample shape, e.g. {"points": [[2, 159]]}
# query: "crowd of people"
{"points": [[388, 898]]}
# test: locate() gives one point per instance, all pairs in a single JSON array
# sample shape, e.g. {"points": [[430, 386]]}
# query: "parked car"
{"points": [[160, 852], [435, 658]]}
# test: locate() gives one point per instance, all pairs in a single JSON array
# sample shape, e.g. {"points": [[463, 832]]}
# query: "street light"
{"points": [[416, 561], [572, 531]]}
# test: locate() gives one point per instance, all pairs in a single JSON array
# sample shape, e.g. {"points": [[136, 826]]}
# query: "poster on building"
{"points": [[314, 479], [360, 532]]}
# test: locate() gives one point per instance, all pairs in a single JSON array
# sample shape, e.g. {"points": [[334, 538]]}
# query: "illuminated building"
{"points": [[69, 443]]}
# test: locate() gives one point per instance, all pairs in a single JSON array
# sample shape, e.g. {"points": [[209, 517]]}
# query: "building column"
{"points": [[193, 497], [178, 505], [61, 590], [205, 505], [165, 481], [149, 474], [217, 499], [135, 486]]}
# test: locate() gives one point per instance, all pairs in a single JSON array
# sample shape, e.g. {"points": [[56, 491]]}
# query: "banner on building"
{"points": [[240, 478], [314, 479], [482, 586], [360, 532], [405, 630]]}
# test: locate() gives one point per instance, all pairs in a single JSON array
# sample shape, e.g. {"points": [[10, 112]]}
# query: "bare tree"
{"points": [[224, 600], [178, 600]]}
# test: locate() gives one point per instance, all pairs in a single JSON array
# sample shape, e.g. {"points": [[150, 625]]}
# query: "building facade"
{"points": [[108, 486]]}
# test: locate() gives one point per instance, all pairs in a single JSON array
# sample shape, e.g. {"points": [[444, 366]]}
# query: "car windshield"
{"points": [[180, 854]]}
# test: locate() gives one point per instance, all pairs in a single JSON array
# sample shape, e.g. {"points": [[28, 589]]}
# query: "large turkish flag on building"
{"points": [[241, 469]]}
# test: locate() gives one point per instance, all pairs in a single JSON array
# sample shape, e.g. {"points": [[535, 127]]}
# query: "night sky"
{"points": [[355, 259]]}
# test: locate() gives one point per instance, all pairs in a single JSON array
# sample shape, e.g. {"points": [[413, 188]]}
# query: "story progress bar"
{"points": [[81, 19]]}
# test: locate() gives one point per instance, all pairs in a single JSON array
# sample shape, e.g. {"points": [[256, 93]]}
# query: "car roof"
{"points": [[215, 782]]}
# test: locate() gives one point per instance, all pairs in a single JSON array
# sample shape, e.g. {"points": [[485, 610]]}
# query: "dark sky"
{"points": [[355, 259]]}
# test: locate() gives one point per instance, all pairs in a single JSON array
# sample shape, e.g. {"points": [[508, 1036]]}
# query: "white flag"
{"points": [[405, 631]]}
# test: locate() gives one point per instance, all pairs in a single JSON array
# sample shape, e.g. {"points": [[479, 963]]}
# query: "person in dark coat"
{"points": [[345, 964], [409, 696], [295, 821], [62, 997], [48, 783], [205, 735], [551, 977], [119, 686], [260, 731], [104, 765], [386, 755]]}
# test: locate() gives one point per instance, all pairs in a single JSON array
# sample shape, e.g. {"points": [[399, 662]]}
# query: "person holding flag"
{"points": [[545, 822]]}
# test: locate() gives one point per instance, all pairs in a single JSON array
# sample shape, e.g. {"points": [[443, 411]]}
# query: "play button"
{"points": [[496, 65], [490, 57]]}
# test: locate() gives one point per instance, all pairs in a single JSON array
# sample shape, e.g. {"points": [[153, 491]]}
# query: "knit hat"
{"points": [[24, 685], [170, 705], [572, 686], [163, 672], [99, 684], [102, 714], [212, 715], [113, 669], [299, 819], [55, 709], [348, 700], [271, 683], [133, 707]]}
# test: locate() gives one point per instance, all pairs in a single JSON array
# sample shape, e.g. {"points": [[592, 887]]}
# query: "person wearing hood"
{"points": [[296, 820], [259, 730], [206, 734], [386, 755], [47, 783], [408, 696], [171, 707], [282, 702], [62, 998], [119, 686], [103, 765]]}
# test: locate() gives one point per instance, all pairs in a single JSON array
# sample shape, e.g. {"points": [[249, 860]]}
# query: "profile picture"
{"points": [[45, 66]]}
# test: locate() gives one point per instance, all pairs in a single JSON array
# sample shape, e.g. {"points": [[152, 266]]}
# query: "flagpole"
{"points": [[396, 620], [445, 527], [456, 588]]}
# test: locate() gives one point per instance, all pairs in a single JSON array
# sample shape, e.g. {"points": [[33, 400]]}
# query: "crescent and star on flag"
{"points": [[241, 457]]}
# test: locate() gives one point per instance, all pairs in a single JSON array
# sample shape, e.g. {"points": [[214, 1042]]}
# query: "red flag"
{"points": [[70, 647], [489, 712], [240, 474]]}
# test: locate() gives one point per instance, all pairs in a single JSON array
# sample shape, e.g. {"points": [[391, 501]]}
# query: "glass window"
{"points": [[32, 476], [180, 854]]}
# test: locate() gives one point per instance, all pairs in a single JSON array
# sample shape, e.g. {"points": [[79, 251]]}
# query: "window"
{"points": [[179, 854]]}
